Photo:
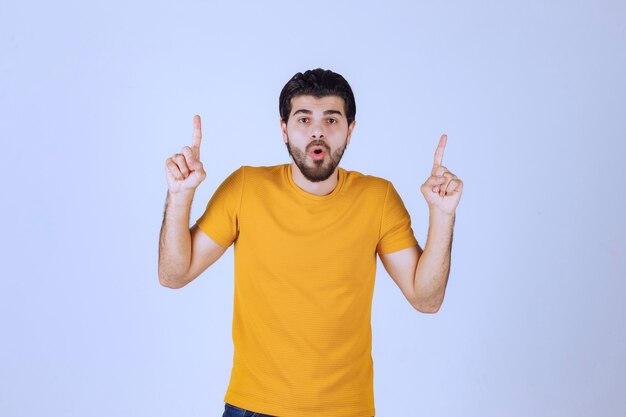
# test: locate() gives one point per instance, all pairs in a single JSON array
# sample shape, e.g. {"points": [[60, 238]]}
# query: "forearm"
{"points": [[433, 268], [175, 240]]}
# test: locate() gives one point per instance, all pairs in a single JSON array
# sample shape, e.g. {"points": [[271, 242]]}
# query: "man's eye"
{"points": [[331, 121], [303, 119]]}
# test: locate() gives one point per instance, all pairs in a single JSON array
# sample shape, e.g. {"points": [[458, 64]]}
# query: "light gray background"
{"points": [[95, 97]]}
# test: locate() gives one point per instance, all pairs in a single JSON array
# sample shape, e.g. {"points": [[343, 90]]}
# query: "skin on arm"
{"points": [[184, 253], [401, 266], [423, 275]]}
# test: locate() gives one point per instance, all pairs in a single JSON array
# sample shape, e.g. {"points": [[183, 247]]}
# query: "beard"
{"points": [[320, 170]]}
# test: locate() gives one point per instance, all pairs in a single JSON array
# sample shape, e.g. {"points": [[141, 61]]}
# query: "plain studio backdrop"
{"points": [[95, 97]]}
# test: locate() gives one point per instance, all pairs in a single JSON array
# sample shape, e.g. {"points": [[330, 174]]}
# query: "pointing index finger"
{"points": [[196, 139], [439, 152]]}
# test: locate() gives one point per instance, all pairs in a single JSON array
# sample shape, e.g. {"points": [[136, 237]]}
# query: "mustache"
{"points": [[318, 143]]}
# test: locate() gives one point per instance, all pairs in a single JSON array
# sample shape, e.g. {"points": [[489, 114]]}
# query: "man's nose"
{"points": [[317, 132]]}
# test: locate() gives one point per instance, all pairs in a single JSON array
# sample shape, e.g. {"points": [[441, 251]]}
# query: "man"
{"points": [[306, 236]]}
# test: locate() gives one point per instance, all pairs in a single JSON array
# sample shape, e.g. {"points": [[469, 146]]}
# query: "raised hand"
{"points": [[442, 189], [184, 170]]}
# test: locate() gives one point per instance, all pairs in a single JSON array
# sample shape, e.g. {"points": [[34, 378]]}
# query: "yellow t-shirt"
{"points": [[304, 280]]}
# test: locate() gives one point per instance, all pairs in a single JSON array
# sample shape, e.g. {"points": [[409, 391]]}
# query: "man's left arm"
{"points": [[423, 275]]}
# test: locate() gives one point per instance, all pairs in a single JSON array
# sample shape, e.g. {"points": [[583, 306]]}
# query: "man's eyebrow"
{"points": [[326, 112]]}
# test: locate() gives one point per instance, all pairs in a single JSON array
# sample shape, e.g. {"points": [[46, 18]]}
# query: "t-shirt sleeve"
{"points": [[220, 220], [395, 229]]}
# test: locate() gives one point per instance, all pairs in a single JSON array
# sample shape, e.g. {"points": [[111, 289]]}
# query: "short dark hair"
{"points": [[317, 83]]}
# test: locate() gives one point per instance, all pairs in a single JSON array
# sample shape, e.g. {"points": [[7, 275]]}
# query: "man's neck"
{"points": [[316, 188]]}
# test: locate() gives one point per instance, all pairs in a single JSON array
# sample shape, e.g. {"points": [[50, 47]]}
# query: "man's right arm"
{"points": [[183, 252]]}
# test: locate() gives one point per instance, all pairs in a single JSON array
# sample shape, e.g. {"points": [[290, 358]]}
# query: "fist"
{"points": [[184, 171], [442, 190]]}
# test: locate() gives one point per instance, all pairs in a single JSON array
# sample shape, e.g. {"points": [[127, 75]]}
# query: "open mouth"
{"points": [[317, 153]]}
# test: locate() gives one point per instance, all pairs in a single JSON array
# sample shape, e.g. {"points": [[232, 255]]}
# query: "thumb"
{"points": [[198, 168], [190, 158], [434, 180], [433, 183]]}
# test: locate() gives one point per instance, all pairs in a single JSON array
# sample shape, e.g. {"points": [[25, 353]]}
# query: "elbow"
{"points": [[427, 309], [428, 304], [172, 282]]}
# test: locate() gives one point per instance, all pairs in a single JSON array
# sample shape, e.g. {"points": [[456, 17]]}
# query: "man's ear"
{"points": [[350, 128], [283, 128]]}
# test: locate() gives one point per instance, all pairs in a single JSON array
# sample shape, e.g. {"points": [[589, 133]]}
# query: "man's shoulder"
{"points": [[261, 172], [246, 175], [359, 179]]}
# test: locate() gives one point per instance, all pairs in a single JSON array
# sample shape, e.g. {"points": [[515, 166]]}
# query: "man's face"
{"points": [[317, 134]]}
